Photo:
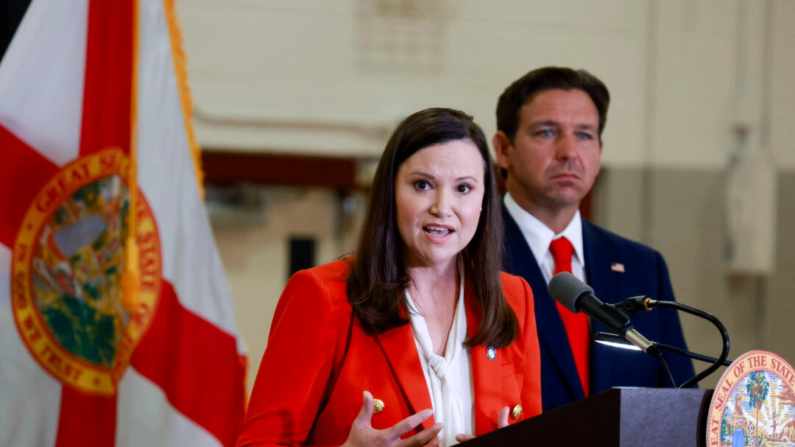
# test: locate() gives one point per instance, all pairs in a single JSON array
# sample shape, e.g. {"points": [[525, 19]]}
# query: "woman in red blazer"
{"points": [[356, 345]]}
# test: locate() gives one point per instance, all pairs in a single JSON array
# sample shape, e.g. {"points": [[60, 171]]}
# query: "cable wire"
{"points": [[699, 313]]}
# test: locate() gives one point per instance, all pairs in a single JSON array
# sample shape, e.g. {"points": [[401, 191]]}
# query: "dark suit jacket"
{"points": [[645, 274], [308, 338]]}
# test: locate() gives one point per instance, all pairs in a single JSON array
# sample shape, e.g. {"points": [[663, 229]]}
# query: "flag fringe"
{"points": [[180, 68], [130, 277], [181, 71]]}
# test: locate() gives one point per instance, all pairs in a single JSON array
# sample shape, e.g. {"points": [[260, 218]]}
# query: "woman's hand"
{"points": [[502, 422], [363, 434]]}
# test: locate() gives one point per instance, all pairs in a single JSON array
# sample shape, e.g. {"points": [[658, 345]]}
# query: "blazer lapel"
{"points": [[485, 373], [551, 332], [404, 361]]}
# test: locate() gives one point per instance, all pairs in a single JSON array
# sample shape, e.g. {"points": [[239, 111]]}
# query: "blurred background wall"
{"points": [[698, 159]]}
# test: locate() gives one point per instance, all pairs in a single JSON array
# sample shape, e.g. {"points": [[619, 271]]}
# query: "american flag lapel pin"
{"points": [[617, 267]]}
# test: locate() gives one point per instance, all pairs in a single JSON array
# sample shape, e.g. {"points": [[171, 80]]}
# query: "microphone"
{"points": [[577, 296]]}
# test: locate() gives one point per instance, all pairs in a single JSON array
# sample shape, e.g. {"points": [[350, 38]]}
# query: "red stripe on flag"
{"points": [[197, 366], [108, 81], [23, 172], [86, 420]]}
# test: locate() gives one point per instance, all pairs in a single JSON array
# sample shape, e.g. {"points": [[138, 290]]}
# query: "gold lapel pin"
{"points": [[517, 412], [378, 405]]}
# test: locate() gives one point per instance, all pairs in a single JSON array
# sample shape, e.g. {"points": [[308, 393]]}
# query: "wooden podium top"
{"points": [[632, 417]]}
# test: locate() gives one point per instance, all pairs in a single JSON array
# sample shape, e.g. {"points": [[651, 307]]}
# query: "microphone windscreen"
{"points": [[566, 288]]}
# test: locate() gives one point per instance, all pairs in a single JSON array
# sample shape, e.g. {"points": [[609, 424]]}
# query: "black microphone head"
{"points": [[566, 289]]}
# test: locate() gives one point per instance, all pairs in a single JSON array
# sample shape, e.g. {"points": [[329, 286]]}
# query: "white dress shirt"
{"points": [[539, 236], [449, 378]]}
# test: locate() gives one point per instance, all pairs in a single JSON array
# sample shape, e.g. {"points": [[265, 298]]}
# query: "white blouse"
{"points": [[449, 378]]}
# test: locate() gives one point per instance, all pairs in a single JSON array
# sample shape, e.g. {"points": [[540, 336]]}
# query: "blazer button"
{"points": [[516, 412], [378, 405]]}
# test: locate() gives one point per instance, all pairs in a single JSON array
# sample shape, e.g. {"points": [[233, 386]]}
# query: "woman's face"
{"points": [[439, 194]]}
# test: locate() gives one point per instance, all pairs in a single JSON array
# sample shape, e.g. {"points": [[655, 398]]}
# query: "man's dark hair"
{"points": [[549, 78], [378, 275]]}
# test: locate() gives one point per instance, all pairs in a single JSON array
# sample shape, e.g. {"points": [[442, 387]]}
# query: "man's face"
{"points": [[554, 158]]}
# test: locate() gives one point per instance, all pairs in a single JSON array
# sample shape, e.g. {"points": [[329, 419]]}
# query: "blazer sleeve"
{"points": [[671, 330], [295, 368], [531, 388]]}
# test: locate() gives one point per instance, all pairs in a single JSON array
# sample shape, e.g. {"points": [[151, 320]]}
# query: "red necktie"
{"points": [[576, 324]]}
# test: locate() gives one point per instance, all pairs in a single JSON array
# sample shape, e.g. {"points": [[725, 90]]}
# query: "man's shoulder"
{"points": [[606, 240]]}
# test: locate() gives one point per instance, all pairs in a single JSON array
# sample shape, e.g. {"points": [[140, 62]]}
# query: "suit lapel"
{"points": [[401, 354], [600, 255], [551, 332], [485, 373]]}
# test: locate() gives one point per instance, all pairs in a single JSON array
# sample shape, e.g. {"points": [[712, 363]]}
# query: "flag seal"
{"points": [[69, 255]]}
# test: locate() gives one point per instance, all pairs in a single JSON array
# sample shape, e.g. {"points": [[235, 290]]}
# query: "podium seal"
{"points": [[754, 403]]}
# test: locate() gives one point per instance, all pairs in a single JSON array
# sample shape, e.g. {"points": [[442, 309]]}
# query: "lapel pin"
{"points": [[491, 353], [617, 267]]}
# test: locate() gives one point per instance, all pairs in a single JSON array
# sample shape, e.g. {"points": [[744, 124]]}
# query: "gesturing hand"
{"points": [[502, 422], [364, 435]]}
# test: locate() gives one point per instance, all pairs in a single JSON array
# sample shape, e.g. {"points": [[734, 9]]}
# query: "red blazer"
{"points": [[307, 339]]}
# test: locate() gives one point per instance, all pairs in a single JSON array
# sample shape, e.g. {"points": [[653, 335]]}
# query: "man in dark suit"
{"points": [[549, 144]]}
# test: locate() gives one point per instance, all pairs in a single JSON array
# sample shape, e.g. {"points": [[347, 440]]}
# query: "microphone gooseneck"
{"points": [[577, 296]]}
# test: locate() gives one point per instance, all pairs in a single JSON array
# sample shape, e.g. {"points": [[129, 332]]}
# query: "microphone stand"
{"points": [[617, 341], [642, 304]]}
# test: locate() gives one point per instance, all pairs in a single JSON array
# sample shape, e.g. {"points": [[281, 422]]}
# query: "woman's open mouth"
{"points": [[437, 231]]}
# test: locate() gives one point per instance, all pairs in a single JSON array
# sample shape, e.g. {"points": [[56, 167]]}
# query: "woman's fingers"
{"points": [[502, 418], [366, 413], [363, 434], [409, 423], [426, 437]]}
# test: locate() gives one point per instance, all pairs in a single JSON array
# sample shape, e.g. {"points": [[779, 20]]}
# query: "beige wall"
{"points": [[254, 248], [333, 77], [682, 73]]}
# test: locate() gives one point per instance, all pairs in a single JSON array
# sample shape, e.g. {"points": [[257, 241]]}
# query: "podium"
{"points": [[619, 417]]}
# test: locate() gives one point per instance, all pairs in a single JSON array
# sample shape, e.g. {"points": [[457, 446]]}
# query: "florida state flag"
{"points": [[116, 327]]}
